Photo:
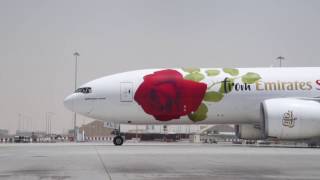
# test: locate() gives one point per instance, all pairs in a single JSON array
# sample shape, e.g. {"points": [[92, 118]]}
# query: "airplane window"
{"points": [[84, 90]]}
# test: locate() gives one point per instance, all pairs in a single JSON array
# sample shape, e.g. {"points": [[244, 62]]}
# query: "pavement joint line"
{"points": [[103, 164]]}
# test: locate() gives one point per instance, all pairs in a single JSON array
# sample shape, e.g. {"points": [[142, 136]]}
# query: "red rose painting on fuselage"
{"points": [[166, 95]]}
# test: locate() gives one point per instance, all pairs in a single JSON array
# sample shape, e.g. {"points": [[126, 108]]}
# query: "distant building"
{"points": [[4, 132], [23, 133], [161, 129], [4, 135], [160, 132], [102, 131], [95, 131], [215, 133], [34, 136]]}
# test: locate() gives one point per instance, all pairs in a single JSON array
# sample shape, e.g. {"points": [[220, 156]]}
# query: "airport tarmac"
{"points": [[171, 161]]}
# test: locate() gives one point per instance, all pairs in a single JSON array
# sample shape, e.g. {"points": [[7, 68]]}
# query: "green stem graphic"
{"points": [[213, 84]]}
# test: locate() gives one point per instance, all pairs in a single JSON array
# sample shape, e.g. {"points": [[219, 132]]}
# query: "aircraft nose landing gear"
{"points": [[118, 139]]}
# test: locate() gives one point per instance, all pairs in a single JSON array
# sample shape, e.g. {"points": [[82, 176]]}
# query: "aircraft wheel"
{"points": [[118, 141]]}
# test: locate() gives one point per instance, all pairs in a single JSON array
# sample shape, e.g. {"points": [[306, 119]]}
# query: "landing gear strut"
{"points": [[118, 139]]}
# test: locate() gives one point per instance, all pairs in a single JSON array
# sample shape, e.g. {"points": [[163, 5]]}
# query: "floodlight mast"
{"points": [[76, 55]]}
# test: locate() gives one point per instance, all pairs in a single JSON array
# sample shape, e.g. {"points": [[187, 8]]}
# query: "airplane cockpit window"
{"points": [[84, 90]]}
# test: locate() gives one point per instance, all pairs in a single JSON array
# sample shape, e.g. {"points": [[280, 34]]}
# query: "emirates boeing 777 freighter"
{"points": [[281, 103]]}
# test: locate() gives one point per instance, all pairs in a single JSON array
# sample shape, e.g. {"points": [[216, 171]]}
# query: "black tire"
{"points": [[118, 141]]}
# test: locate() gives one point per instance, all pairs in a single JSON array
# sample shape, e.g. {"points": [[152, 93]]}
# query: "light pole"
{"points": [[280, 58], [19, 123], [49, 123], [76, 55]]}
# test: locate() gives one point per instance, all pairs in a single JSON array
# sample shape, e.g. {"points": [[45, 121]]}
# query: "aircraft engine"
{"points": [[287, 118], [284, 118]]}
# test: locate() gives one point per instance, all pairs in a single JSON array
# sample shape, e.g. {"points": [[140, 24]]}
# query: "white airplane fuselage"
{"points": [[191, 95]]}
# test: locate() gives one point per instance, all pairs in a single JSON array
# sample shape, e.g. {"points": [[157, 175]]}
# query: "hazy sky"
{"points": [[38, 38]]}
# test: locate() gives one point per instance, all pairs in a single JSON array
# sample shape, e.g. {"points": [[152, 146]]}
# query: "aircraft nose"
{"points": [[69, 102]]}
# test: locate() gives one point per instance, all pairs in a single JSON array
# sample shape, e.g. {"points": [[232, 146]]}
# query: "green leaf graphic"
{"points": [[226, 85], [232, 72], [196, 76], [200, 114], [212, 72], [213, 96], [250, 78], [191, 70]]}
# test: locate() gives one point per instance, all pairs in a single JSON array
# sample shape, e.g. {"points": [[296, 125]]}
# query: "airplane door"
{"points": [[126, 92]]}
